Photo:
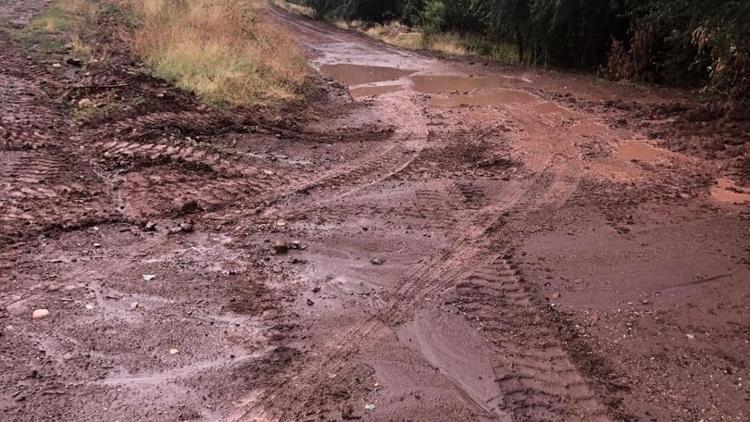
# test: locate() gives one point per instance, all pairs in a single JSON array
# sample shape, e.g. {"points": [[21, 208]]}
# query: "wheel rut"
{"points": [[537, 379], [443, 203], [539, 384], [532, 377], [41, 185]]}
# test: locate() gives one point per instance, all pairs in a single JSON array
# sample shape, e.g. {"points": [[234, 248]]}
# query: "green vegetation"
{"points": [[57, 30], [682, 42]]}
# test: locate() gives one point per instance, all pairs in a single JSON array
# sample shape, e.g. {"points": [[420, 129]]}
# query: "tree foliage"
{"points": [[668, 41]]}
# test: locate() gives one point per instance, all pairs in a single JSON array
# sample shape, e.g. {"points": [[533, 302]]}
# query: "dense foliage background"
{"points": [[683, 42]]}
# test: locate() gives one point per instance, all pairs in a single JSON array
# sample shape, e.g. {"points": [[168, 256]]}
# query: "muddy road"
{"points": [[432, 240]]}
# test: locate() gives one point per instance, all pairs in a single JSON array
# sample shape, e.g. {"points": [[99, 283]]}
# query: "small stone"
{"points": [[556, 295], [690, 336], [39, 314], [150, 226], [377, 261], [89, 306], [348, 412], [310, 302], [295, 244], [74, 61], [280, 247], [280, 223], [85, 103], [316, 289], [134, 305], [684, 195], [173, 351], [149, 277], [186, 227], [97, 245], [56, 65]]}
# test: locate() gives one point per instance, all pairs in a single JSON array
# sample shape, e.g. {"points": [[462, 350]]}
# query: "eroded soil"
{"points": [[427, 240]]}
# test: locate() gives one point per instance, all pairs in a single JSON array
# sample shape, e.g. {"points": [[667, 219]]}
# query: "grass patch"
{"points": [[54, 19], [478, 45], [221, 50], [56, 31]]}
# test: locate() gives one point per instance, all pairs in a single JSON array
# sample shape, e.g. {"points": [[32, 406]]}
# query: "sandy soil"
{"points": [[428, 239]]}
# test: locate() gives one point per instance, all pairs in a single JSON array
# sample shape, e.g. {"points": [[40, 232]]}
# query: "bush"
{"points": [[433, 16], [687, 43]]}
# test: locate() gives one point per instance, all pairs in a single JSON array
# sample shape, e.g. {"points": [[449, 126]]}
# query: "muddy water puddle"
{"points": [[727, 191], [371, 91], [549, 107], [446, 84], [353, 74], [470, 91], [497, 97]]}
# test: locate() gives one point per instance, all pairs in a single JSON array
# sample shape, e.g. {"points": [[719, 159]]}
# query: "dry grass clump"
{"points": [[448, 43], [397, 34], [400, 35], [220, 50], [294, 8]]}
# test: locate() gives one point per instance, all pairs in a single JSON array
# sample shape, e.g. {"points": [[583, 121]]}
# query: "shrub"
{"points": [[433, 16]]}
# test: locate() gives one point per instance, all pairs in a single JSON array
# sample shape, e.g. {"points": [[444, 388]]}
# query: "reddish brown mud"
{"points": [[429, 240]]}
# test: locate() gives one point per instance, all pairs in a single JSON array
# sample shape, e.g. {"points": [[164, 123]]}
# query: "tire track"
{"points": [[477, 218], [538, 380], [288, 401], [158, 122], [44, 181]]}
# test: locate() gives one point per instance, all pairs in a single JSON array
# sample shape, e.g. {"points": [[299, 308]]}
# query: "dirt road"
{"points": [[433, 240]]}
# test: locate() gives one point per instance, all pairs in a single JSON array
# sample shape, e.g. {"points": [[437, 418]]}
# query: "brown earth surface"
{"points": [[428, 239]]}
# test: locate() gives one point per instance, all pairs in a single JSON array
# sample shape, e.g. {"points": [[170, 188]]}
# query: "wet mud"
{"points": [[372, 91], [351, 74], [426, 240], [497, 97], [727, 191], [635, 150]]}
